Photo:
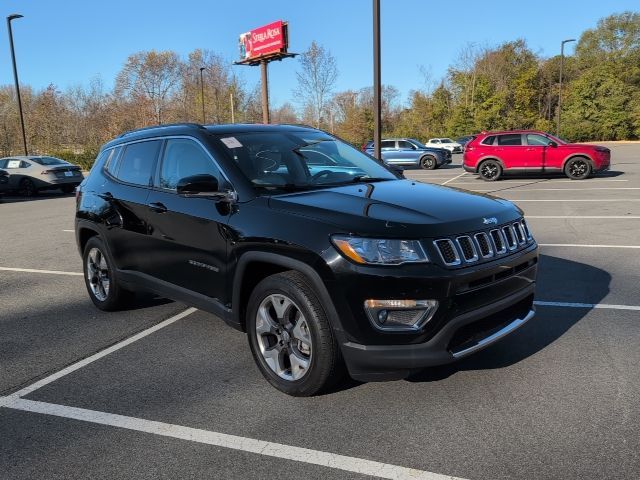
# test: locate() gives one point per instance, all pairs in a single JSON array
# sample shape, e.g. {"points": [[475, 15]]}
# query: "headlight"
{"points": [[376, 251]]}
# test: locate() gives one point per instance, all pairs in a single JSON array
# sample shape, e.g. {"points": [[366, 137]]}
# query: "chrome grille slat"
{"points": [[448, 252], [484, 244], [467, 248], [519, 231], [498, 241], [510, 237]]}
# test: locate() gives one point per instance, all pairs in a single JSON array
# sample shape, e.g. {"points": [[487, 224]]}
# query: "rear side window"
{"points": [[489, 140], [510, 139], [113, 160], [136, 164], [388, 144], [184, 158]]}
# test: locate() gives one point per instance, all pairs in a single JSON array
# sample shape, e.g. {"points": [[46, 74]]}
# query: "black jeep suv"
{"points": [[324, 256]]}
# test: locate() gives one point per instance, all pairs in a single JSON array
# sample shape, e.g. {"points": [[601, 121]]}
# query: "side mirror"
{"points": [[203, 186], [552, 144], [397, 169]]}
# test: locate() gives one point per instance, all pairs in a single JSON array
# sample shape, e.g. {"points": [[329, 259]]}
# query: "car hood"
{"points": [[398, 208]]}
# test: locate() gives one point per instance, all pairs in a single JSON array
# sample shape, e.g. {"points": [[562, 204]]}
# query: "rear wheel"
{"points": [[101, 278], [28, 188], [490, 170], [578, 168], [290, 336], [428, 162]]}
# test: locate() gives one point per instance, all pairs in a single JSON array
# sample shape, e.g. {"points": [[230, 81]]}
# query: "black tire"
{"points": [[490, 170], [325, 367], [578, 168], [428, 162], [115, 297], [68, 189], [27, 188]]}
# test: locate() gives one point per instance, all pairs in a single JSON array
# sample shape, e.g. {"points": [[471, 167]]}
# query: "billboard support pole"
{"points": [[265, 91], [377, 101]]}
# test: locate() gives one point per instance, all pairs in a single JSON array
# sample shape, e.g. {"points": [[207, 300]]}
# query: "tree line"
{"points": [[486, 88]]}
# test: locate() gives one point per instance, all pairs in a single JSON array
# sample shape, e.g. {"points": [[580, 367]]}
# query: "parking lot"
{"points": [[164, 391]]}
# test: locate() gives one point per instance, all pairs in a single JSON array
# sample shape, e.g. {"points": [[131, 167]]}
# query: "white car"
{"points": [[453, 147]]}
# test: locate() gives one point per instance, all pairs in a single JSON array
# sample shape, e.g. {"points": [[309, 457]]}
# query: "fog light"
{"points": [[400, 315]]}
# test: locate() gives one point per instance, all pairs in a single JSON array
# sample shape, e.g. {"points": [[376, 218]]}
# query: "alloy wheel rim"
{"points": [[98, 274], [428, 162], [578, 168], [284, 337], [489, 171]]}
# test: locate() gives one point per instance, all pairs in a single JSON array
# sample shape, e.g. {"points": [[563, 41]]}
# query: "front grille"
{"points": [[481, 246]]}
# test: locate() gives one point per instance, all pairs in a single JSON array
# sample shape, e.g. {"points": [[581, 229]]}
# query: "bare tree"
{"points": [[316, 79], [151, 76]]}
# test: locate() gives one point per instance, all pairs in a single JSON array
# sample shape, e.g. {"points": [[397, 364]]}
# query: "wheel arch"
{"points": [[253, 267], [489, 157], [578, 155]]}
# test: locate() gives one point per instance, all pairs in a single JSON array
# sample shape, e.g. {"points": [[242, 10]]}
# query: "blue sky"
{"points": [[68, 42]]}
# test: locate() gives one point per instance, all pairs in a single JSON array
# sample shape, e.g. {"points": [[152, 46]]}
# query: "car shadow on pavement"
{"points": [[559, 280], [46, 195]]}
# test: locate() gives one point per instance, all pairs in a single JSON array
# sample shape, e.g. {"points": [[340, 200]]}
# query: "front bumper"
{"points": [[460, 337]]}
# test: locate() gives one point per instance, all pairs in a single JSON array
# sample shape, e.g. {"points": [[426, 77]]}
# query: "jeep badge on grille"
{"points": [[490, 221]]}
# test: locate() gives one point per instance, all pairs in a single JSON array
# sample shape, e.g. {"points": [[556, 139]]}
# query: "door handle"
{"points": [[106, 196], [157, 207]]}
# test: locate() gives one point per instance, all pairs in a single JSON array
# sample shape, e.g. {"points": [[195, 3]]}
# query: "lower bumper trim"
{"points": [[503, 332]]}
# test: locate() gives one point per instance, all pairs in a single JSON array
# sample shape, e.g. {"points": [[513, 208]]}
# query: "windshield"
{"points": [[446, 140], [48, 161], [558, 140], [300, 160], [417, 143]]}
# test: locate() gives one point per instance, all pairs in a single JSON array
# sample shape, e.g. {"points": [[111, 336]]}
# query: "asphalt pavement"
{"points": [[178, 396]]}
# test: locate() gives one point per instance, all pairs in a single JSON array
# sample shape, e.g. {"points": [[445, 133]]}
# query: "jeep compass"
{"points": [[326, 258]]}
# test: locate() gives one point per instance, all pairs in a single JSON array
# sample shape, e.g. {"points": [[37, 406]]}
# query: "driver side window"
{"points": [[183, 158]]}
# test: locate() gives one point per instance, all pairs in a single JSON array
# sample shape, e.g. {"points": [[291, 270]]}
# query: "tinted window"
{"points": [[489, 140], [388, 144], [405, 144], [3, 163], [535, 139], [510, 139], [137, 162], [317, 158], [184, 158], [113, 161]]}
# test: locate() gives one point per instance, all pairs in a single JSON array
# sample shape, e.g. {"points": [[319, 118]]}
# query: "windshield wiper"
{"points": [[367, 178]]}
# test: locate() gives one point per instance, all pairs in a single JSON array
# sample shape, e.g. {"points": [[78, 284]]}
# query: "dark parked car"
{"points": [[30, 174], [4, 181], [324, 266], [493, 154], [465, 139], [408, 151]]}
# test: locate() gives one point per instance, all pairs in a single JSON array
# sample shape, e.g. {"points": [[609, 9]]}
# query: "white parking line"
{"points": [[549, 181], [33, 270], [234, 442], [591, 217], [518, 189], [454, 178], [572, 245], [103, 353], [70, 231], [588, 305]]}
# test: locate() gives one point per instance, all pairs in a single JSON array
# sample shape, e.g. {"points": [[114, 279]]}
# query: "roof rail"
{"points": [[166, 125]]}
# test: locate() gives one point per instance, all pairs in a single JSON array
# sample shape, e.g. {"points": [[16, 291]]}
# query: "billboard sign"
{"points": [[266, 40]]}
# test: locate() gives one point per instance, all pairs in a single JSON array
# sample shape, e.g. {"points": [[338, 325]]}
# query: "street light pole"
{"points": [[560, 84], [202, 93], [377, 101], [15, 76]]}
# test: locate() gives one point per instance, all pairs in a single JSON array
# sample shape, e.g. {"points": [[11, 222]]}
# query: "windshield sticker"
{"points": [[231, 142], [13, 164]]}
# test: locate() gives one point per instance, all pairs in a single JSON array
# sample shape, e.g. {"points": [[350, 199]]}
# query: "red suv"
{"points": [[492, 154]]}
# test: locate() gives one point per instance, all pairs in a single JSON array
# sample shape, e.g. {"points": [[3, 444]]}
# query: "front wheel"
{"points": [[290, 336], [490, 170], [577, 169], [428, 162]]}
